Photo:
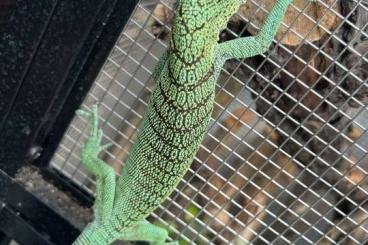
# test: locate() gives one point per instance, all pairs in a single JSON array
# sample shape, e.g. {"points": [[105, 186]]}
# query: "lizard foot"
{"points": [[147, 232], [166, 243], [93, 145]]}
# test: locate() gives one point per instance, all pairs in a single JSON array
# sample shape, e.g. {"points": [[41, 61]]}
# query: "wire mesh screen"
{"points": [[284, 159]]}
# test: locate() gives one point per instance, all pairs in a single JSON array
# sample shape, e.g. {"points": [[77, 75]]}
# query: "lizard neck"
{"points": [[195, 35]]}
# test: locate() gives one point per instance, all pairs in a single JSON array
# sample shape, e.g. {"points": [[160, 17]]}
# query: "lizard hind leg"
{"points": [[105, 175], [143, 231]]}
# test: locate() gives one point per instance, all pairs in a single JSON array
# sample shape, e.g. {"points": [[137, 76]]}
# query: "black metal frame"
{"points": [[51, 52]]}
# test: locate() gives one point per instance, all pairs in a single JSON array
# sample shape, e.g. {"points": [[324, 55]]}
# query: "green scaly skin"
{"points": [[174, 124]]}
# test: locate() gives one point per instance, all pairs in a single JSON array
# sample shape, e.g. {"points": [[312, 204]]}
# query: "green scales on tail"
{"points": [[174, 123]]}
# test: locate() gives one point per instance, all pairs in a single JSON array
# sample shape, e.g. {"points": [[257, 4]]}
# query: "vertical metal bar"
{"points": [[18, 45]]}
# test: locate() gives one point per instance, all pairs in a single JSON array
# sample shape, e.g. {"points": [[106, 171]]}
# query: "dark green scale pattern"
{"points": [[177, 116], [173, 128], [175, 120]]}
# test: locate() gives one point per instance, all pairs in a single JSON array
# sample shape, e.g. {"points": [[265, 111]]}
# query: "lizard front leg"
{"points": [[245, 47]]}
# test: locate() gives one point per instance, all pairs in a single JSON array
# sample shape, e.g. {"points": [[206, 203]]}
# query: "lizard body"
{"points": [[174, 124]]}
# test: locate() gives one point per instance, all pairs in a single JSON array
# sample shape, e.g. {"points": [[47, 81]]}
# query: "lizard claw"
{"points": [[83, 113], [88, 114], [99, 135], [106, 146]]}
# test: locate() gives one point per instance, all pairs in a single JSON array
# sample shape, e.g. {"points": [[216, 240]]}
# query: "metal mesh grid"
{"points": [[285, 156]]}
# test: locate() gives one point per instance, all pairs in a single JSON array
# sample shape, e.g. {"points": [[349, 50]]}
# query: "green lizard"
{"points": [[174, 123]]}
